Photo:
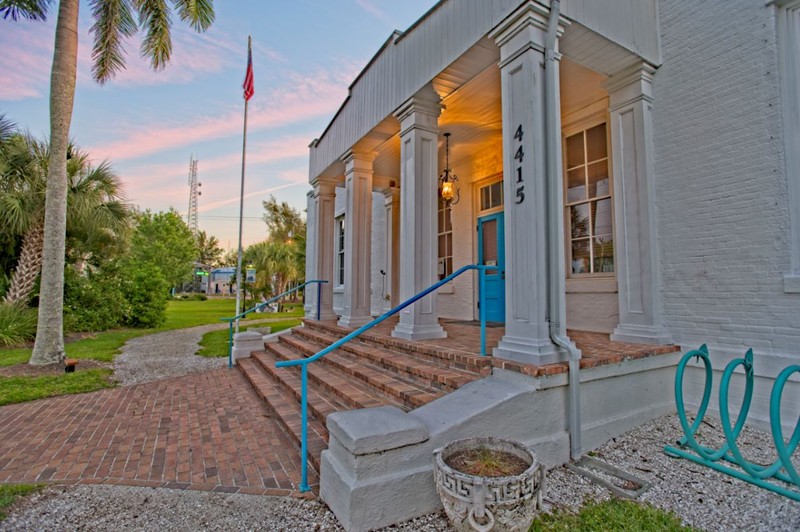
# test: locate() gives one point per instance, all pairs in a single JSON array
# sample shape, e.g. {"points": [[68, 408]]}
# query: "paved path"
{"points": [[183, 422]]}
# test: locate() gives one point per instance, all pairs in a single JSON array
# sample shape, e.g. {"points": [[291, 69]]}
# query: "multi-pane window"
{"points": [[445, 239], [492, 196], [588, 203], [340, 250]]}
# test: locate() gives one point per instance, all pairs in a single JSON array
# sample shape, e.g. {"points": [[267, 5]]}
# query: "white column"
{"points": [[324, 199], [521, 38], [391, 203], [310, 299], [419, 132], [357, 239], [631, 98]]}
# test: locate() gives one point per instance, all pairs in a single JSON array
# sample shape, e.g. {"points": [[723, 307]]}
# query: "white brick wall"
{"points": [[723, 219], [721, 191]]}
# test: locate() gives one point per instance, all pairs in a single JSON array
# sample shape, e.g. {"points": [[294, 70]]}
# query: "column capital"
{"points": [[630, 85], [391, 195], [323, 186], [358, 160], [421, 110], [523, 29]]}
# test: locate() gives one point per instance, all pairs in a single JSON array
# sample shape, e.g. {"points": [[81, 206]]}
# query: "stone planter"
{"points": [[488, 503]]}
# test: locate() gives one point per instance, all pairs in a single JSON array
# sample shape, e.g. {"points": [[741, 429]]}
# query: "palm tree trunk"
{"points": [[28, 266], [49, 345]]}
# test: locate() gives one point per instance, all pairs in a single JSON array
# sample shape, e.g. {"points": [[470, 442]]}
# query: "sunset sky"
{"points": [[305, 54]]}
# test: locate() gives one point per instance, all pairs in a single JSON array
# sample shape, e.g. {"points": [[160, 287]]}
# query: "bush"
{"points": [[199, 297], [17, 324], [146, 291], [94, 302]]}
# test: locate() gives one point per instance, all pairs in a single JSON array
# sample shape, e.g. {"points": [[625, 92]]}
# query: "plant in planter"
{"points": [[488, 484]]}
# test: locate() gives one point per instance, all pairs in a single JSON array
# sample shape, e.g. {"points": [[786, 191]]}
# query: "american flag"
{"points": [[249, 88]]}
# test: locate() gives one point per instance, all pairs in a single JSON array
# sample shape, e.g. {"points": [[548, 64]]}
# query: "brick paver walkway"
{"points": [[207, 431]]}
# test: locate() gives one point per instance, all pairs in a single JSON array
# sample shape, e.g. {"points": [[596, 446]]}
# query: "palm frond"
{"points": [[199, 14], [25, 9], [113, 22], [155, 19], [7, 128]]}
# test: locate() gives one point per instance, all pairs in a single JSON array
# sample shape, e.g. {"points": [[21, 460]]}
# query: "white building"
{"points": [[632, 167]]}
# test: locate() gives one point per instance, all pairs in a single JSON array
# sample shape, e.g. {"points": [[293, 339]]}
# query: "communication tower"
{"points": [[194, 192]]}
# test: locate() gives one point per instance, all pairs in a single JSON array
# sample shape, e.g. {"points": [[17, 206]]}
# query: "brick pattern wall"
{"points": [[721, 189]]}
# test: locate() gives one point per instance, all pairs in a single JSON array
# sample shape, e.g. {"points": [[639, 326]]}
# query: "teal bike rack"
{"points": [[781, 469]]}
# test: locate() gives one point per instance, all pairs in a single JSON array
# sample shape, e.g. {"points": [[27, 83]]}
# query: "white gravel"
{"points": [[700, 496]]}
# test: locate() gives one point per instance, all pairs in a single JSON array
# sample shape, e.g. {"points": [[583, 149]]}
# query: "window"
{"points": [[340, 250], [788, 20], [588, 203], [445, 239], [491, 196]]}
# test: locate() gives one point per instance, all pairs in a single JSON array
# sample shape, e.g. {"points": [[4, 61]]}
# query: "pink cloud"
{"points": [[301, 98], [373, 10], [25, 62]]}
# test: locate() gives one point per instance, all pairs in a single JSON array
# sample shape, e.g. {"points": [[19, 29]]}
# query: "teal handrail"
{"points": [[303, 363], [262, 305]]}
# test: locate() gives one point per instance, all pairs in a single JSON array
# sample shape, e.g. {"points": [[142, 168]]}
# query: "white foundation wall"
{"points": [[721, 188]]}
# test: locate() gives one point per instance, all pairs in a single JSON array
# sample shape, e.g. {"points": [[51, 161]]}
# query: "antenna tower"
{"points": [[194, 192]]}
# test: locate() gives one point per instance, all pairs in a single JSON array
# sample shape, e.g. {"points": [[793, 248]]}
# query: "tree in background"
{"points": [[209, 252], [165, 241], [284, 223], [97, 213], [114, 21]]}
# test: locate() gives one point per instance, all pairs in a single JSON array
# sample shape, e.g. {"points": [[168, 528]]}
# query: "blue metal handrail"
{"points": [[303, 363], [262, 305]]}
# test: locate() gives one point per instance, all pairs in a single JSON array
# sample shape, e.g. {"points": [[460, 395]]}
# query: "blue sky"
{"points": [[305, 54]]}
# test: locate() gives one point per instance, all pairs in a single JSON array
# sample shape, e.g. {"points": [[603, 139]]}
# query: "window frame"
{"points": [[444, 211], [340, 246], [582, 126]]}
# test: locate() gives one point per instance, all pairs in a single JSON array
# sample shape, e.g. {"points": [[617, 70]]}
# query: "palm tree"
{"points": [[96, 211], [113, 22]]}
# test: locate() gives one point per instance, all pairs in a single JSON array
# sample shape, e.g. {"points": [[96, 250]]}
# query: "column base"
{"points": [[324, 315], [529, 351], [419, 331], [641, 334], [353, 322]]}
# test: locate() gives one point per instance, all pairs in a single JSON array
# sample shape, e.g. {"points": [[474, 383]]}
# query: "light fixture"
{"points": [[450, 193]]}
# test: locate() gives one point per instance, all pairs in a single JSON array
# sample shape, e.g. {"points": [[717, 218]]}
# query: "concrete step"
{"points": [[286, 409], [340, 373], [462, 360]]}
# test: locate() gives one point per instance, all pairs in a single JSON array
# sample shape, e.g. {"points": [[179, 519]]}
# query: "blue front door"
{"points": [[491, 252]]}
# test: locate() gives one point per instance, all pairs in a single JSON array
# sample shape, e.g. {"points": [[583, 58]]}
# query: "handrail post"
{"points": [[230, 344], [319, 299], [482, 307], [304, 430]]}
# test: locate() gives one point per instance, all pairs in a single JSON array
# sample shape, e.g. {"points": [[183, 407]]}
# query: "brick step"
{"points": [[462, 360], [336, 368], [286, 409], [326, 380], [419, 371]]}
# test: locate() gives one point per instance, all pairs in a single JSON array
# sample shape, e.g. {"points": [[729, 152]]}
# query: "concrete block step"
{"points": [[420, 371], [326, 381], [470, 362], [361, 374], [286, 410]]}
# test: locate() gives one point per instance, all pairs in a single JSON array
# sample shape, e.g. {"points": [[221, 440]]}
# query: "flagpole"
{"points": [[239, 278]]}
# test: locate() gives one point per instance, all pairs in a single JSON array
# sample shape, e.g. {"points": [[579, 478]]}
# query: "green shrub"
{"points": [[17, 324], [93, 302], [199, 297], [146, 291]]}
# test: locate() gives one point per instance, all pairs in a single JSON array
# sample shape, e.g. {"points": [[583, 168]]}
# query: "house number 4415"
{"points": [[520, 186]]}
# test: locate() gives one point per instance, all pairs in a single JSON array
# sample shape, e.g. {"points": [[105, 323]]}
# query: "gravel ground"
{"points": [[700, 496]]}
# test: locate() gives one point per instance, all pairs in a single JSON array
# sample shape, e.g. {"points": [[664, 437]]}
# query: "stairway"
{"points": [[371, 371]]}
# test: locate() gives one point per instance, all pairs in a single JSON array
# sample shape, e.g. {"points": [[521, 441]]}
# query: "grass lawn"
{"points": [[103, 346], [9, 493], [215, 343], [610, 515]]}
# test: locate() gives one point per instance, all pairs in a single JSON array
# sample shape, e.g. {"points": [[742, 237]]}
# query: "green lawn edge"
{"points": [[11, 493], [611, 515]]}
